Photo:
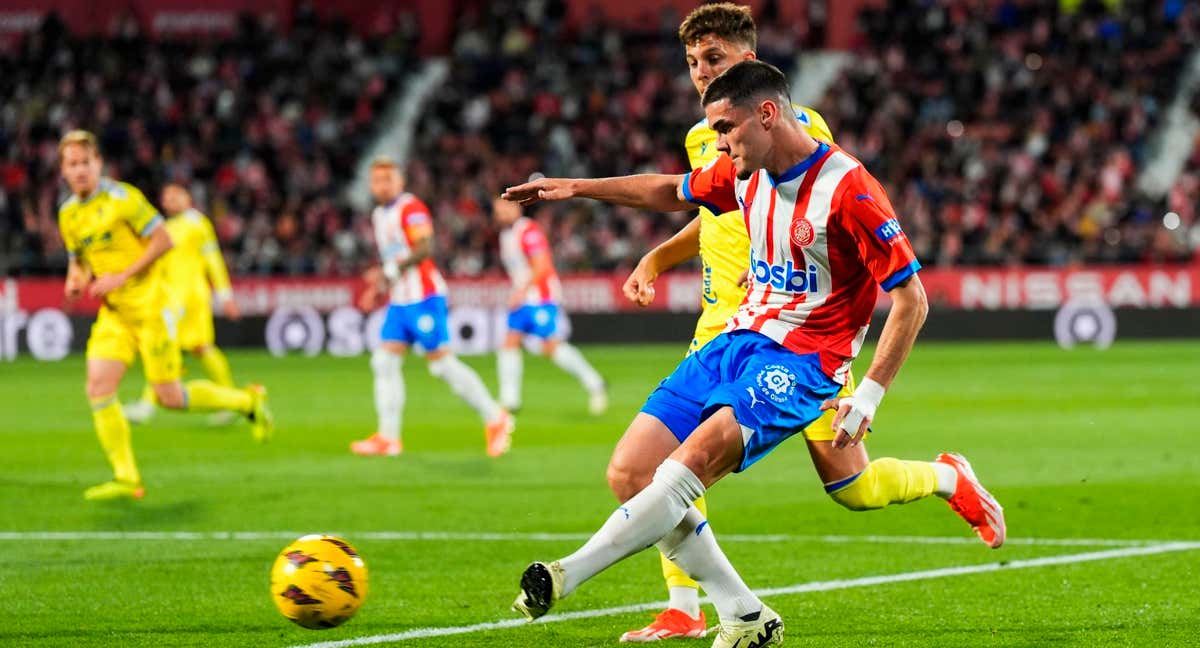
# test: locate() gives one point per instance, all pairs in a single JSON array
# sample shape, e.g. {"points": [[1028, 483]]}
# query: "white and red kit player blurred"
{"points": [[533, 310], [823, 239], [416, 315]]}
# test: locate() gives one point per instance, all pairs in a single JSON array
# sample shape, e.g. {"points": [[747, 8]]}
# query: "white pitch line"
{"points": [[818, 586], [452, 536]]}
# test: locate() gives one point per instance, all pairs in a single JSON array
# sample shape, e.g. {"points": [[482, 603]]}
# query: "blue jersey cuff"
{"points": [[687, 195], [151, 226], [900, 275]]}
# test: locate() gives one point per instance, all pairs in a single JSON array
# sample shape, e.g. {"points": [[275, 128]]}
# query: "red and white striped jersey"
{"points": [[397, 226], [519, 244], [822, 235]]}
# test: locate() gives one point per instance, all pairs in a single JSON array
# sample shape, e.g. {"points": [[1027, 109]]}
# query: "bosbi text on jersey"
{"points": [[785, 277]]}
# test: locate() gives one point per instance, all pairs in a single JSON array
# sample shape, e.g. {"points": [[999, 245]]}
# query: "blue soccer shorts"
{"points": [[539, 321], [423, 324], [774, 392]]}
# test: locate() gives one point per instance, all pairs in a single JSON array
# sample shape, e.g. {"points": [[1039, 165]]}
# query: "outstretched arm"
{"points": [[655, 192]]}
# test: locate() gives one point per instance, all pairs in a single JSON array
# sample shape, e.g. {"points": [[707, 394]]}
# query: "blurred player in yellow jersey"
{"points": [[115, 238], [715, 37], [194, 270]]}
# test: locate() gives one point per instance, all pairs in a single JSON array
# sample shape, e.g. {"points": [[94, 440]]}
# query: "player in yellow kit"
{"points": [[715, 37], [114, 238], [194, 271]]}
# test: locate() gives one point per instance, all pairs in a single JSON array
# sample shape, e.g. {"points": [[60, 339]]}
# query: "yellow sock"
{"points": [[885, 481], [674, 575], [148, 394], [113, 431], [207, 396], [216, 366]]}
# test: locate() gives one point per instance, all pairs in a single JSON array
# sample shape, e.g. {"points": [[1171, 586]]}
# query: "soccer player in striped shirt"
{"points": [[533, 312], [715, 37], [416, 315], [823, 239]]}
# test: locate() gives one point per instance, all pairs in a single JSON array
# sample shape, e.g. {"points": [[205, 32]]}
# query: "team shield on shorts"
{"points": [[774, 392], [539, 320], [423, 323]]}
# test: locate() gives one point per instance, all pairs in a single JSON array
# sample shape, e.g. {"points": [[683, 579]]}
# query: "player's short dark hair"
{"points": [[748, 80], [726, 20]]}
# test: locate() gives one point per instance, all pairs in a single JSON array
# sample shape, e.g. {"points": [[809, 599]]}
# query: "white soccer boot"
{"points": [[766, 629], [541, 587]]}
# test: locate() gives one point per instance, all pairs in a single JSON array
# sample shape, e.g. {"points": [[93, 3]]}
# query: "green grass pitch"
{"points": [[1084, 445]]}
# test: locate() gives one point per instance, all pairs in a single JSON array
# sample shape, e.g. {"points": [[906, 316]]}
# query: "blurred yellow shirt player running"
{"points": [[193, 271], [114, 239]]}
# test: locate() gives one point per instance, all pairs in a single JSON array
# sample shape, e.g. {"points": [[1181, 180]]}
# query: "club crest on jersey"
{"points": [[803, 233], [777, 382]]}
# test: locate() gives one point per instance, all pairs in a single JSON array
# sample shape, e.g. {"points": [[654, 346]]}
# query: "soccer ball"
{"points": [[319, 581]]}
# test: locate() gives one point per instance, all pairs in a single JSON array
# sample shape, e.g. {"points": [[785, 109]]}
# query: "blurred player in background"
{"points": [[115, 237], [194, 270], [417, 314], [824, 240], [533, 310]]}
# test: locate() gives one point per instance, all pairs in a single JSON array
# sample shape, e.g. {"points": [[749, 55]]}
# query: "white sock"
{"points": [[570, 360], [692, 546], [509, 364], [466, 383], [686, 600], [947, 479], [639, 523], [389, 392]]}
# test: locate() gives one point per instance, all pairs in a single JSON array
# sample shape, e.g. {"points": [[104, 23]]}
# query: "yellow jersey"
{"points": [[195, 263], [107, 232], [724, 243]]}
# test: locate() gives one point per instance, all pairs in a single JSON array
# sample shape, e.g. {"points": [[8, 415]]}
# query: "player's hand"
{"points": [[73, 290], [367, 299], [541, 189], [106, 284], [515, 299], [231, 310], [744, 279], [848, 433], [854, 413], [639, 287], [373, 275]]}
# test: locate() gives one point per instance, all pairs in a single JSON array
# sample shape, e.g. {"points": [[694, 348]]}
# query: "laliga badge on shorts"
{"points": [[777, 382], [803, 233]]}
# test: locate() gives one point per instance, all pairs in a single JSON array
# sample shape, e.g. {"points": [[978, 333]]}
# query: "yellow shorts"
{"points": [[115, 337], [710, 326], [196, 324]]}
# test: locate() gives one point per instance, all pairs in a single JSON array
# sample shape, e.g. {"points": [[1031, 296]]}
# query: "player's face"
{"points": [[740, 135], [386, 184], [709, 56], [175, 200], [80, 167]]}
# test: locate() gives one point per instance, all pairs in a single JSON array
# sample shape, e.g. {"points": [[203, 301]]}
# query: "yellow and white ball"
{"points": [[319, 581]]}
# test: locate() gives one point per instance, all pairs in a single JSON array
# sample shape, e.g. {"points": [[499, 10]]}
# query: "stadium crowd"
{"points": [[960, 108], [1014, 133], [1006, 134], [264, 126]]}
